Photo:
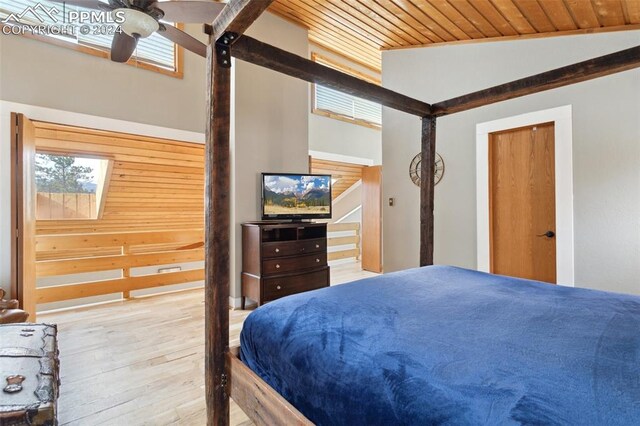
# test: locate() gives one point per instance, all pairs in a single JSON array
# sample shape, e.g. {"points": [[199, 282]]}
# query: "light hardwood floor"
{"points": [[141, 362]]}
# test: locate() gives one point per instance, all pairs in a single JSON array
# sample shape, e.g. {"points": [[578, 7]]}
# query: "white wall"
{"points": [[271, 126], [606, 157], [340, 137], [37, 73]]}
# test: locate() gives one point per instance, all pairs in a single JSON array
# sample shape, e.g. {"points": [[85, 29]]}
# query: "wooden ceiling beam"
{"points": [[256, 52], [582, 71], [237, 16]]}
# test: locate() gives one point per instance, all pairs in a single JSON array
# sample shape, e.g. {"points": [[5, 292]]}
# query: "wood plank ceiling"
{"points": [[359, 29]]}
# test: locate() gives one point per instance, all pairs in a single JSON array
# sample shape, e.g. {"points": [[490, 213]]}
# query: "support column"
{"points": [[427, 189], [217, 242]]}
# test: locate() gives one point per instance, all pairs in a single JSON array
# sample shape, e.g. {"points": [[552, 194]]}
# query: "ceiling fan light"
{"points": [[137, 24]]}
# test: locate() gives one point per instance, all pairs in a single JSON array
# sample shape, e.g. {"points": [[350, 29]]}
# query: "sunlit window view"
{"points": [[68, 187]]}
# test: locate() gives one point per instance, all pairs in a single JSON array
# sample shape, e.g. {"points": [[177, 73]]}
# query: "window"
{"points": [[155, 52], [343, 106], [70, 187]]}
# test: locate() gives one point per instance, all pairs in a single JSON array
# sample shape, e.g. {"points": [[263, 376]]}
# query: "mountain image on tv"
{"points": [[296, 194]]}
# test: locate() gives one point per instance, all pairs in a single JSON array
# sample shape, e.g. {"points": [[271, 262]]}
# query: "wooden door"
{"points": [[372, 218], [522, 202], [23, 197]]}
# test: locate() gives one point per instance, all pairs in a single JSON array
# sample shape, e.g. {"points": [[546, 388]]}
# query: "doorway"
{"points": [[355, 229], [522, 202], [560, 156]]}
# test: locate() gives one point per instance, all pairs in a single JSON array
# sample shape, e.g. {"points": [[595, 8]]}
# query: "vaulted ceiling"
{"points": [[359, 29]]}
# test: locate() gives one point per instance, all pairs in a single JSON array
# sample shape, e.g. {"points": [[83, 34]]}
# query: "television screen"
{"points": [[292, 196]]}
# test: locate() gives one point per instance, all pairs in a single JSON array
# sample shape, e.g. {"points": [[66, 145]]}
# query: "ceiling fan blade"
{"points": [[122, 47], [190, 11], [184, 40], [87, 4]]}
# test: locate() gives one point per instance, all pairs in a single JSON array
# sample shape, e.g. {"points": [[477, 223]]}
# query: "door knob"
{"points": [[548, 234]]}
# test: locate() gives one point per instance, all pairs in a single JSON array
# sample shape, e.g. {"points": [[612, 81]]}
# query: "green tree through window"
{"points": [[61, 174]]}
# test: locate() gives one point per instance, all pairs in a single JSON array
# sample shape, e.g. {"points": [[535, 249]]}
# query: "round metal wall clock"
{"points": [[414, 169]]}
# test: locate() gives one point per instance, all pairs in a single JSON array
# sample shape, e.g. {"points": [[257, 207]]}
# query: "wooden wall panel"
{"points": [[347, 174], [359, 29], [155, 184], [372, 219]]}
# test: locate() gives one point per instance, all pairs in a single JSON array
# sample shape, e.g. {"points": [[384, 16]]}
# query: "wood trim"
{"points": [[335, 116], [24, 215], [178, 72], [582, 71], [334, 51], [59, 242], [325, 60], [104, 189], [341, 241], [427, 190], [628, 27], [45, 268], [15, 202], [340, 227], [343, 254], [259, 401], [118, 285], [271, 57]]}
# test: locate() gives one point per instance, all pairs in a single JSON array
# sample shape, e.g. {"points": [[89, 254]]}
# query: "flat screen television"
{"points": [[288, 196]]}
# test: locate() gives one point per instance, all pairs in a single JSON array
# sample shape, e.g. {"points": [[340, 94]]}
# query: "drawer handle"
{"points": [[278, 287], [317, 260], [277, 250], [317, 245], [277, 266]]}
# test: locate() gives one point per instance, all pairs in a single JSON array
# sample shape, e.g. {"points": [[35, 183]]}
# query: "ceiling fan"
{"points": [[142, 18]]}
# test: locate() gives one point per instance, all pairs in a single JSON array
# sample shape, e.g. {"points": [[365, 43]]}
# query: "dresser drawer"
{"points": [[290, 248], [275, 288], [293, 264]]}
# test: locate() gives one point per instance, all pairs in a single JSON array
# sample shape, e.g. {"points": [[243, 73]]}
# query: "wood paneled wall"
{"points": [[346, 174], [155, 184]]}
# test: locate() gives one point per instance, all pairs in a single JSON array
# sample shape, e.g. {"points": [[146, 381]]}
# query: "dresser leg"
{"points": [[242, 300]]}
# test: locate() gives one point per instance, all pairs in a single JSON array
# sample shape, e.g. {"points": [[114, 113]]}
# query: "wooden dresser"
{"points": [[280, 259]]}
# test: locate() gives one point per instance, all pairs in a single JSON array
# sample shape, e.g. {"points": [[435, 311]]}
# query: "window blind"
{"points": [[344, 104], [155, 49]]}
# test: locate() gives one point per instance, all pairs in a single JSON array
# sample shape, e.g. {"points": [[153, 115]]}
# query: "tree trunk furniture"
{"points": [[29, 371], [280, 259]]}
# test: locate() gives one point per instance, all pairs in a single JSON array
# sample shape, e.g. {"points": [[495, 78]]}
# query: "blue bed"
{"points": [[444, 345]]}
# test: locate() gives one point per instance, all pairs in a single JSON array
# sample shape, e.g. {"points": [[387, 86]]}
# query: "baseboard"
{"points": [[234, 302]]}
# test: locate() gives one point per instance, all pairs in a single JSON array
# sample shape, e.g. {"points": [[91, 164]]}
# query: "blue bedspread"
{"points": [[443, 345]]}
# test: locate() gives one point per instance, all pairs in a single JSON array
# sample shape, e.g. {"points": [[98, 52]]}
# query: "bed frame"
{"points": [[225, 375]]}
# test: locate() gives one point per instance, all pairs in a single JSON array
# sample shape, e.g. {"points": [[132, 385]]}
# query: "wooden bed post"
{"points": [[427, 188], [217, 229], [234, 19]]}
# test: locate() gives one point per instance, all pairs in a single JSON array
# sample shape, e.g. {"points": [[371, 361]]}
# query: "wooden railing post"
{"points": [[126, 272], [358, 239]]}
